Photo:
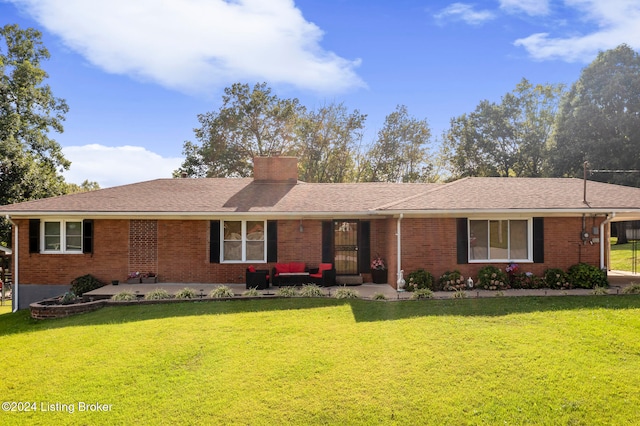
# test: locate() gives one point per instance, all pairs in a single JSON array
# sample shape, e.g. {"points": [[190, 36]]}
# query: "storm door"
{"points": [[345, 240]]}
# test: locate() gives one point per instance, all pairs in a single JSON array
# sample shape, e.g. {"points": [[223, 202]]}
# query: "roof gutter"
{"points": [[16, 278], [602, 242]]}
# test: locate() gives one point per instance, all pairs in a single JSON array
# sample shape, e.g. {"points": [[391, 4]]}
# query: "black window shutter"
{"points": [[214, 241], [34, 235], [327, 242], [462, 239], [364, 247], [87, 236], [538, 240], [272, 241]]}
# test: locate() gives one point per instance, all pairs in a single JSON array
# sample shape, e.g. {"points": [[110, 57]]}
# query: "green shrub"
{"points": [[422, 293], [157, 294], [492, 278], [311, 290], [419, 279], [460, 294], [68, 298], [124, 296], [252, 292], [526, 280], [85, 283], [221, 291], [287, 291], [634, 288], [379, 296], [555, 278], [186, 293], [599, 291], [451, 281], [346, 293], [583, 275]]}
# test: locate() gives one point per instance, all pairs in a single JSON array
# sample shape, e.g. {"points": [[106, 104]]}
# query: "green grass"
{"points": [[549, 360], [622, 256]]}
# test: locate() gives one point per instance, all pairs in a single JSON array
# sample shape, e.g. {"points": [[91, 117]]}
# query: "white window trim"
{"points": [[243, 241], [529, 259], [63, 236]]}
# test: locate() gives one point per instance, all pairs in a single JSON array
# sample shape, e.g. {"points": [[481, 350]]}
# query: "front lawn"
{"points": [[548, 360]]}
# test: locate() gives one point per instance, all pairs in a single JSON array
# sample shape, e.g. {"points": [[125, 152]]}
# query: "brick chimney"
{"points": [[275, 169]]}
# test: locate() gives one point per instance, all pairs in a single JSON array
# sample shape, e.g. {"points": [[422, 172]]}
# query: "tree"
{"points": [[249, 123], [509, 138], [401, 151], [327, 143], [29, 158], [599, 120]]}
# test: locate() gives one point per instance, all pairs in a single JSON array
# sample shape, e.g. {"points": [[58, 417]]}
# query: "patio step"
{"points": [[349, 280]]}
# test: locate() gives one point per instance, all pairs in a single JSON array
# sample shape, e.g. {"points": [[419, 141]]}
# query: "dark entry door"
{"points": [[345, 238]]}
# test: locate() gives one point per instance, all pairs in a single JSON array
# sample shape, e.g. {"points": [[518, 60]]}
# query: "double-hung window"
{"points": [[500, 240], [244, 241], [62, 236]]}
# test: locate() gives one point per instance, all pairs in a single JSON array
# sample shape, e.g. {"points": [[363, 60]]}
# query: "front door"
{"points": [[345, 239]]}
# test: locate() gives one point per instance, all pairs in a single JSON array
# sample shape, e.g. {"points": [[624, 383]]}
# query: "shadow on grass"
{"points": [[363, 310]]}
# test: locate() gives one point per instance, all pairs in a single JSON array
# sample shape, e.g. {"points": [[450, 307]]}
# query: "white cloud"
{"points": [[112, 166], [530, 7], [616, 22], [465, 12], [198, 45]]}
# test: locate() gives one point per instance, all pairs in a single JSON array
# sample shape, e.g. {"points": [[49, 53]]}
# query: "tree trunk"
{"points": [[622, 232]]}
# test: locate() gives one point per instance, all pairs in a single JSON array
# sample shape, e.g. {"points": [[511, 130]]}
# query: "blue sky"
{"points": [[137, 73]]}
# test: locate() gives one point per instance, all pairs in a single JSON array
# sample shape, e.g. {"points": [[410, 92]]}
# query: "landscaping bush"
{"points": [[287, 291], [346, 293], [68, 298], [555, 278], [634, 288], [311, 290], [419, 279], [186, 293], [583, 275], [252, 292], [379, 296], [451, 281], [85, 283], [422, 293], [492, 278], [460, 294], [526, 280], [221, 291], [157, 294], [124, 296]]}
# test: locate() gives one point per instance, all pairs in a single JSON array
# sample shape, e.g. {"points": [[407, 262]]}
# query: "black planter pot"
{"points": [[379, 276]]}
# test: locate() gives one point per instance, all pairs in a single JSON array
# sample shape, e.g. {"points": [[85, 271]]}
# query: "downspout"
{"points": [[14, 289], [602, 242], [399, 249]]}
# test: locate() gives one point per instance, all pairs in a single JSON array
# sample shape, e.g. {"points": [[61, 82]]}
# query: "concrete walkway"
{"points": [[617, 281]]}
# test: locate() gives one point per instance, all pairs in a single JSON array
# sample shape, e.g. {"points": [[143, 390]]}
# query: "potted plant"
{"points": [[378, 271], [149, 278], [133, 278]]}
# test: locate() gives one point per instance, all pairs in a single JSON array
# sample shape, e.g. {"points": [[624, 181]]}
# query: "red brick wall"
{"points": [[143, 246], [178, 250], [109, 260], [431, 244]]}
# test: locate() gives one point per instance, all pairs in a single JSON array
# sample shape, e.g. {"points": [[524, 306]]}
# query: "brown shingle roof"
{"points": [[222, 196]]}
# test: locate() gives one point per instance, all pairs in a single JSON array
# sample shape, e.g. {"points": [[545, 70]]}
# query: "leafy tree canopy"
{"points": [[599, 120]]}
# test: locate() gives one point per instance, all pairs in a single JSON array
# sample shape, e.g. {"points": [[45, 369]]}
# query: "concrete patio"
{"points": [[617, 281]]}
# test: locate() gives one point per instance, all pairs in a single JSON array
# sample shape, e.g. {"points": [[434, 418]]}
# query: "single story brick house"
{"points": [[211, 230]]}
